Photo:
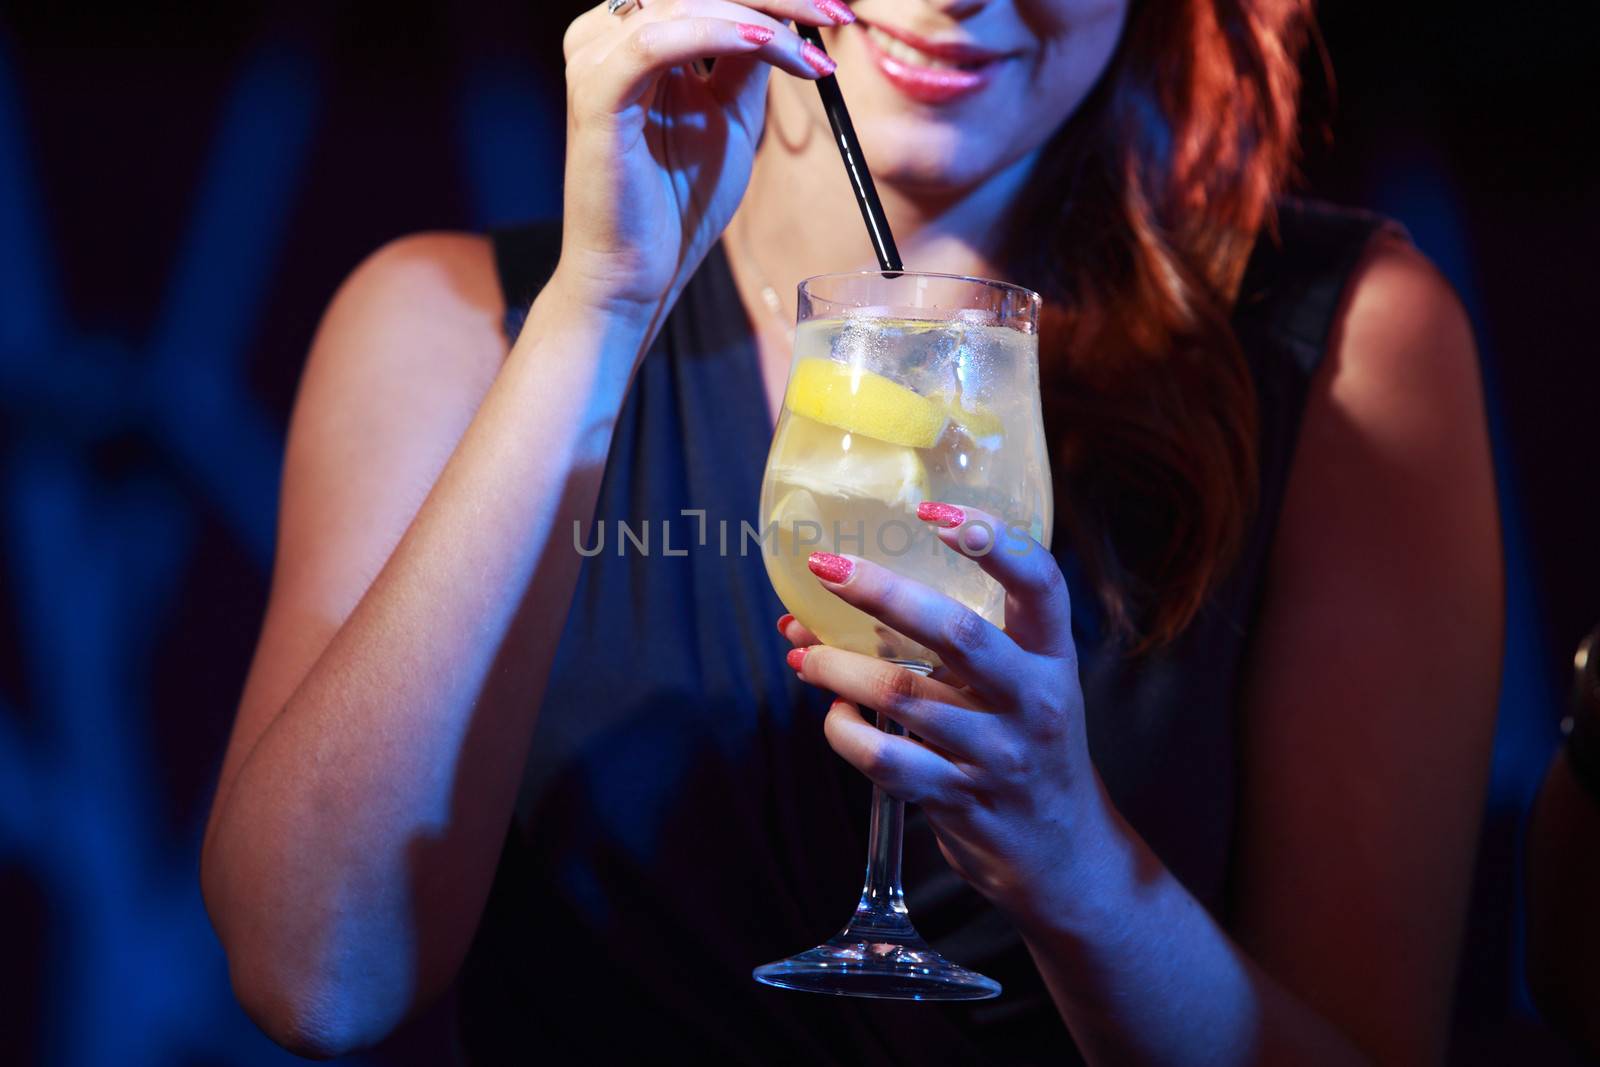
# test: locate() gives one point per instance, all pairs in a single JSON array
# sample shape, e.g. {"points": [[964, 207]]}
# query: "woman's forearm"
{"points": [[349, 855], [1142, 974]]}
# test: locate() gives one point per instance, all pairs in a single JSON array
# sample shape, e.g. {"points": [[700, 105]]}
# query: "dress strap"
{"points": [[1289, 303], [1295, 282], [525, 257]]}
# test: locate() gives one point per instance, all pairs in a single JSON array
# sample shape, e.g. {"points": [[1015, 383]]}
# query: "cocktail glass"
{"points": [[905, 387]]}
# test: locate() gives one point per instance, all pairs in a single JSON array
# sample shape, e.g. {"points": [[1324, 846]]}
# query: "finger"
{"points": [[974, 647], [630, 68], [808, 12], [741, 81], [679, 11], [903, 768], [934, 711], [1038, 603], [598, 21], [795, 632], [587, 28]]}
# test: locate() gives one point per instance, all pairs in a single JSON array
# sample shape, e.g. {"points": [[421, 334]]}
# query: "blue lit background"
{"points": [[179, 195]]}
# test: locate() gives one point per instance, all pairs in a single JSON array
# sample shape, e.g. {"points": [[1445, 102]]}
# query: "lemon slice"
{"points": [[865, 403], [892, 475], [835, 463], [794, 507], [977, 423]]}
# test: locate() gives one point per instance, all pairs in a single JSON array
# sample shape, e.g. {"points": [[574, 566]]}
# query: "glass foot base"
{"points": [[879, 953], [877, 964]]}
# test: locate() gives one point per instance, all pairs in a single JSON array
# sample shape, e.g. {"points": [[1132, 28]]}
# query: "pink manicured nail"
{"points": [[783, 623], [830, 568], [753, 33], [818, 59], [947, 515], [795, 659], [841, 15]]}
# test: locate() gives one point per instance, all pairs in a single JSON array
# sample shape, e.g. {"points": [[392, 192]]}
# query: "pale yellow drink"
{"points": [[856, 451]]}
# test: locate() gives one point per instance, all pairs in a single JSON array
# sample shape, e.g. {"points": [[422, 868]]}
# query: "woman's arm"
{"points": [[1370, 714], [424, 570], [1367, 726], [426, 563], [1367, 723]]}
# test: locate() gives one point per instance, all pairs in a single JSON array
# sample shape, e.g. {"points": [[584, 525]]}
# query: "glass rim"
{"points": [[890, 275]]}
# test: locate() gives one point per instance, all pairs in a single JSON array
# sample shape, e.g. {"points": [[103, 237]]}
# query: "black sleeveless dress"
{"points": [[682, 819]]}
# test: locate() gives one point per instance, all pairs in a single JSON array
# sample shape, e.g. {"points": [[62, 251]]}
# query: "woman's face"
{"points": [[947, 93]]}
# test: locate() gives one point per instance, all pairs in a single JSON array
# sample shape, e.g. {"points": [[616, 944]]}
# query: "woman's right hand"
{"points": [[658, 156]]}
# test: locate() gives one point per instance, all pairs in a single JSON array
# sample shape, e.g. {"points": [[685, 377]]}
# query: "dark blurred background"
{"points": [[183, 186]]}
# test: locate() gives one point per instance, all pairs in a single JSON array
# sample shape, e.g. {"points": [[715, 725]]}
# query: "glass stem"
{"points": [[881, 914], [883, 891]]}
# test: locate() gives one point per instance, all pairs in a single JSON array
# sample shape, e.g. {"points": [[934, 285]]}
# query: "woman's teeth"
{"points": [[897, 49]]}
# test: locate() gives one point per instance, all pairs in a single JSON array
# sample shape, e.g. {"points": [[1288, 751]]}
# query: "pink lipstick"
{"points": [[927, 71]]}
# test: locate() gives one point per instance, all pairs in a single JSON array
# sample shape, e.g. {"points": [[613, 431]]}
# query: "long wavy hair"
{"points": [[1137, 225]]}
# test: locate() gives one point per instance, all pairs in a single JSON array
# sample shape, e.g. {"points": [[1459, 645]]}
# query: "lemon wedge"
{"points": [[793, 508], [864, 403], [976, 423], [835, 463]]}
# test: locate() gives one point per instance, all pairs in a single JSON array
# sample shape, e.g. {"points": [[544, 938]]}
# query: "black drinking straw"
{"points": [[855, 164]]}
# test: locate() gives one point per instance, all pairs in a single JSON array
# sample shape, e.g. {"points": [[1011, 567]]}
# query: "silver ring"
{"points": [[620, 7]]}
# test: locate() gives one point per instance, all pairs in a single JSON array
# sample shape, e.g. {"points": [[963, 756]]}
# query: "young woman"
{"points": [[1210, 799]]}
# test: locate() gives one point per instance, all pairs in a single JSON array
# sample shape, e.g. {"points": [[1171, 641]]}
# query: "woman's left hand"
{"points": [[999, 763]]}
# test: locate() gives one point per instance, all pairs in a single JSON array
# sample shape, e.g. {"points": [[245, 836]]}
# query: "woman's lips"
{"points": [[908, 69]]}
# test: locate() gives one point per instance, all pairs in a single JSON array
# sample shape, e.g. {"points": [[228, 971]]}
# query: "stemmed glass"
{"points": [[905, 387]]}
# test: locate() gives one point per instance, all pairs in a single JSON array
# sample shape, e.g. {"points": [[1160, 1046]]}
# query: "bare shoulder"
{"points": [[1394, 453], [416, 323], [415, 296], [1403, 347], [405, 353], [1393, 478]]}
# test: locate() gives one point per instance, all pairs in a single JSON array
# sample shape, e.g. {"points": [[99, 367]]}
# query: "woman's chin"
{"points": [[929, 157]]}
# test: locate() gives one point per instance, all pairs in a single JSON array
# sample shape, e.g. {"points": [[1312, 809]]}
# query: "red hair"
{"points": [[1152, 197]]}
